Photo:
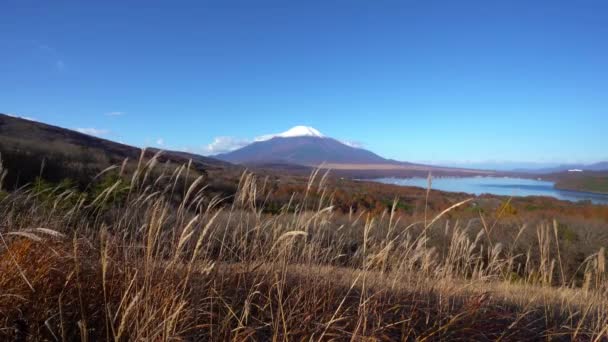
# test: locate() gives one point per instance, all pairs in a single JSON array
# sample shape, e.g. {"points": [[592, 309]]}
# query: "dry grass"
{"points": [[169, 265]]}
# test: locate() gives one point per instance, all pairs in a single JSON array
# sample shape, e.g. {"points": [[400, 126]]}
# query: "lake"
{"points": [[503, 186]]}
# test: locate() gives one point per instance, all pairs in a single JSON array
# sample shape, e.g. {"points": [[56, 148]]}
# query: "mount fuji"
{"points": [[301, 145]]}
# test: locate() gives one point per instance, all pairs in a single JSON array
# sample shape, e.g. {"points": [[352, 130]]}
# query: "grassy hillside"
{"points": [[596, 182], [30, 150], [133, 264]]}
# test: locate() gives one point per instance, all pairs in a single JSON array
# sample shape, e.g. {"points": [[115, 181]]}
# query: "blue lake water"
{"points": [[498, 186]]}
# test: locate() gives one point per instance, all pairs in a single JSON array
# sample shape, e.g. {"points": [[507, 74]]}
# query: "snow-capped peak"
{"points": [[297, 131], [301, 131]]}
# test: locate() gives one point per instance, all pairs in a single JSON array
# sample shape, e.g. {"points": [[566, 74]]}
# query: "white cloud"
{"points": [[265, 137], [160, 141], [225, 144], [93, 131], [352, 143], [115, 113]]}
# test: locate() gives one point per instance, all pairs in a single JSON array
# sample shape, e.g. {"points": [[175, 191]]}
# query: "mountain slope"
{"points": [[600, 166], [302, 150], [29, 149]]}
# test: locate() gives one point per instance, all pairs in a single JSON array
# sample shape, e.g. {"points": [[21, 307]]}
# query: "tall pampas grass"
{"points": [[161, 264]]}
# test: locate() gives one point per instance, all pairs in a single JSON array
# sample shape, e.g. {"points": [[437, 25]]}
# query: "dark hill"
{"points": [[30, 149]]}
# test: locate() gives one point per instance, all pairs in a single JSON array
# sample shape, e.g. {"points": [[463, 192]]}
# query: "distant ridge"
{"points": [[600, 166]]}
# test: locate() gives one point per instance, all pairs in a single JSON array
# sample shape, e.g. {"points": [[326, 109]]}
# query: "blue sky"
{"points": [[433, 81]]}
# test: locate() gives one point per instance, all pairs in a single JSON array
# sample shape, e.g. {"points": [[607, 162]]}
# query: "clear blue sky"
{"points": [[433, 81]]}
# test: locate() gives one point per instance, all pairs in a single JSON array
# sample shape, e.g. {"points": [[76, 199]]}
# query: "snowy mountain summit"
{"points": [[301, 131], [294, 132]]}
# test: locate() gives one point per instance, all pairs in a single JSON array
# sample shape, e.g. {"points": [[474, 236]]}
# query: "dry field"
{"points": [[143, 260]]}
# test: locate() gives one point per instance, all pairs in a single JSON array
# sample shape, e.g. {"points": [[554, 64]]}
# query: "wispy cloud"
{"points": [[160, 141], [353, 143], [93, 131], [225, 144], [115, 113], [52, 53], [265, 137]]}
